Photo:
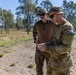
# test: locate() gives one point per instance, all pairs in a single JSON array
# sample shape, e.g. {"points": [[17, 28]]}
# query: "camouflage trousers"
{"points": [[39, 60], [59, 66], [51, 71]]}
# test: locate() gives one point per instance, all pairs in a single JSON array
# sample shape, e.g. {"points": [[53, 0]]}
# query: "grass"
{"points": [[13, 37], [8, 51], [13, 64], [75, 33], [1, 55], [30, 66], [12, 41]]}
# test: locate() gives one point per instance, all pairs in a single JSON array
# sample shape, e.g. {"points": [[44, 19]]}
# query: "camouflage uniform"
{"points": [[59, 49], [42, 32], [39, 60]]}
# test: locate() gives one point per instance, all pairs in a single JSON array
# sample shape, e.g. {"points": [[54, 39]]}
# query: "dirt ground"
{"points": [[21, 56]]}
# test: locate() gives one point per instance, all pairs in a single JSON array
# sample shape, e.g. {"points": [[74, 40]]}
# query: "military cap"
{"points": [[41, 11], [56, 9]]}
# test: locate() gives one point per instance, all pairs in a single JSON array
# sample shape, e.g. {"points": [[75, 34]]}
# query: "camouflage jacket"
{"points": [[61, 40], [60, 47]]}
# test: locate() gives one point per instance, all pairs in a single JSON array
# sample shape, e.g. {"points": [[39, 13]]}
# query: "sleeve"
{"points": [[34, 33], [66, 41]]}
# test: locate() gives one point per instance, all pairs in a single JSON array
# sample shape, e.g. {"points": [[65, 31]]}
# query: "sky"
{"points": [[13, 4]]}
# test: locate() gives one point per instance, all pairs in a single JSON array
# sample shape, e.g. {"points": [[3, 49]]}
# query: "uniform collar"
{"points": [[45, 22]]}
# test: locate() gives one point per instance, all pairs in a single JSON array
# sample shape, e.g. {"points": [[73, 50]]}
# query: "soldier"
{"points": [[42, 33], [60, 46]]}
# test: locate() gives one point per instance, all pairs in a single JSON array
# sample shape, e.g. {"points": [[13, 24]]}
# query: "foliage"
{"points": [[19, 22], [6, 19], [26, 14], [26, 8], [70, 11], [12, 41], [13, 37], [75, 32], [46, 4], [1, 55], [8, 51], [30, 66], [13, 64]]}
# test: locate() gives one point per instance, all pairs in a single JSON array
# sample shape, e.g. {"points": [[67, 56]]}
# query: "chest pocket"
{"points": [[57, 34]]}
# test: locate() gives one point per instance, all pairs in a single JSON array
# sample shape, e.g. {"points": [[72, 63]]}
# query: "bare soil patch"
{"points": [[21, 56]]}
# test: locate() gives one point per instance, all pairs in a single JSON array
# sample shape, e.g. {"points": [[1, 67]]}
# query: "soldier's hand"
{"points": [[41, 47]]}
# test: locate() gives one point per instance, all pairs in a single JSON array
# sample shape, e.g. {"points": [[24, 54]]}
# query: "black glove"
{"points": [[49, 43]]}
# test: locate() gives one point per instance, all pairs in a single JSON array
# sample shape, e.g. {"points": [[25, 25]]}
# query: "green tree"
{"points": [[1, 21], [26, 8], [8, 19], [19, 22], [70, 11], [46, 4]]}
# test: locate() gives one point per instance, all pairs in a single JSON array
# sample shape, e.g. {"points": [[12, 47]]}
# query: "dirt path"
{"points": [[23, 55]]}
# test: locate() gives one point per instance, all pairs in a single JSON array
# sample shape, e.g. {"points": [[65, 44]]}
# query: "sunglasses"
{"points": [[42, 14], [51, 16]]}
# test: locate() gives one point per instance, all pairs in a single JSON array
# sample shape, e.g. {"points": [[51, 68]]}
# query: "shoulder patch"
{"points": [[71, 32]]}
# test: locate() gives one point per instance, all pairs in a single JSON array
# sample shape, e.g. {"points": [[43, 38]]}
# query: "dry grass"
{"points": [[13, 35]]}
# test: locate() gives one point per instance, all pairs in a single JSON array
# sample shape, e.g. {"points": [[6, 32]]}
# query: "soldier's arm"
{"points": [[34, 33], [66, 41]]}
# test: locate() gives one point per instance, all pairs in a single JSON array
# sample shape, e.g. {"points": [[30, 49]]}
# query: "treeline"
{"points": [[6, 19], [26, 14]]}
